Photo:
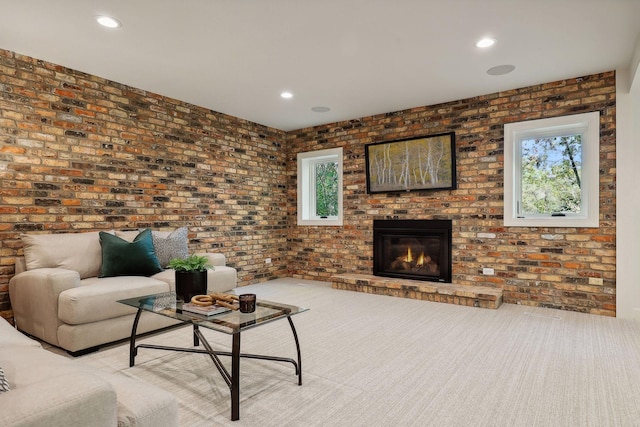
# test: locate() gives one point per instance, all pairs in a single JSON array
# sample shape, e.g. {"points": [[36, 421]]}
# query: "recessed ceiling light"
{"points": [[485, 42], [107, 21], [500, 70], [320, 109], [286, 95]]}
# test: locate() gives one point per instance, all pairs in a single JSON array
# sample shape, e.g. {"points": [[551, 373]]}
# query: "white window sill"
{"points": [[561, 221], [325, 222]]}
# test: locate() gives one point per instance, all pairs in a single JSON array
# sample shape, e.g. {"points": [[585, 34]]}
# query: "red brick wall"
{"points": [[547, 267], [78, 152]]}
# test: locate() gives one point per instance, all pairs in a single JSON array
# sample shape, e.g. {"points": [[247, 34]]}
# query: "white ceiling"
{"points": [[358, 57]]}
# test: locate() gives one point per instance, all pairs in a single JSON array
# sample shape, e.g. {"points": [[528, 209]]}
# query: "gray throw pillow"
{"points": [[4, 384], [170, 246]]}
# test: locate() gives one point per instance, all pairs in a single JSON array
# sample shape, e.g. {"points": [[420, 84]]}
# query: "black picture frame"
{"points": [[420, 163]]}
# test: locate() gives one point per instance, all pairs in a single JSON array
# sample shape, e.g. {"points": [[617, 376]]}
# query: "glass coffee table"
{"points": [[229, 322]]}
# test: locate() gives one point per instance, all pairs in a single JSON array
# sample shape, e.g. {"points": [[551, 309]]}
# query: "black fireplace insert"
{"points": [[412, 249]]}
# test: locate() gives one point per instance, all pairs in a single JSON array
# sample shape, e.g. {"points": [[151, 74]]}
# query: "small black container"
{"points": [[189, 284], [247, 303]]}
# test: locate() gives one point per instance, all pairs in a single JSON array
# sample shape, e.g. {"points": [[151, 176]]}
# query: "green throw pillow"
{"points": [[123, 258]]}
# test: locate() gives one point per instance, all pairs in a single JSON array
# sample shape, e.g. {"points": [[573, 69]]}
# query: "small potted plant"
{"points": [[191, 276]]}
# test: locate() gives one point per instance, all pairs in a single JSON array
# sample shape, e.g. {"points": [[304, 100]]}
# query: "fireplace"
{"points": [[412, 249]]}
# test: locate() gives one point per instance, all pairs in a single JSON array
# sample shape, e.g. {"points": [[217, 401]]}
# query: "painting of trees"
{"points": [[412, 164]]}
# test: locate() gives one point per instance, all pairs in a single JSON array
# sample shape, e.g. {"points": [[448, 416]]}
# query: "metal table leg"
{"points": [[295, 337], [235, 378], [132, 341]]}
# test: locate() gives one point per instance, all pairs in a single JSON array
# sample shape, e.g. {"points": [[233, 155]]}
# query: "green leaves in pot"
{"points": [[191, 263]]}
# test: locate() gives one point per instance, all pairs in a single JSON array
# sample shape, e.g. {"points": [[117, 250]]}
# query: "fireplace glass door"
{"points": [[413, 249]]}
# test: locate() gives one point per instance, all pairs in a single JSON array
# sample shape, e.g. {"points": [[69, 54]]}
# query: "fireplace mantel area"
{"points": [[471, 296], [412, 259]]}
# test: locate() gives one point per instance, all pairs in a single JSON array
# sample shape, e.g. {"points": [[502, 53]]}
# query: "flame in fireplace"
{"points": [[409, 257], [410, 263]]}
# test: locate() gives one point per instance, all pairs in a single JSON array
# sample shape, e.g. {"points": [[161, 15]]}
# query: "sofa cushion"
{"points": [[50, 390], [123, 258], [170, 245], [80, 252], [79, 337], [29, 365], [11, 337], [141, 404], [56, 391], [97, 298], [76, 399]]}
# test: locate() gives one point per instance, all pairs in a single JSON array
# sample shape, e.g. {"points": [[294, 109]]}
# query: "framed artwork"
{"points": [[422, 163]]}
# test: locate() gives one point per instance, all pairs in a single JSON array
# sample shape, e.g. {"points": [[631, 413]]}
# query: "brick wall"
{"points": [[78, 152], [547, 267]]}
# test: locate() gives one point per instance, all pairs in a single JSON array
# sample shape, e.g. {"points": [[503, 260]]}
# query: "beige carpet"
{"points": [[373, 360]]}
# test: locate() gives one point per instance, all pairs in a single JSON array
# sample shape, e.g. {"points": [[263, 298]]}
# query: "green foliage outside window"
{"points": [[551, 175], [326, 189]]}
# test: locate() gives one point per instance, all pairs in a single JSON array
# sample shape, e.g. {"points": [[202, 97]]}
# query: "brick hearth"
{"points": [[472, 296]]}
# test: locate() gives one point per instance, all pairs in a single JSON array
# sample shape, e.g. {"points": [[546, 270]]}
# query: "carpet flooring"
{"points": [[371, 360]]}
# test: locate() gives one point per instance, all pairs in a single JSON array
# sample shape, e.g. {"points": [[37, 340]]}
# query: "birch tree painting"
{"points": [[414, 164]]}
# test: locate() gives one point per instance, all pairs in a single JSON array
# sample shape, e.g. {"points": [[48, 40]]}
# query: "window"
{"points": [[320, 187], [552, 172]]}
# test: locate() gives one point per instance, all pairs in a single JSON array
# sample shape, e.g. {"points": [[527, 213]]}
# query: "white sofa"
{"points": [[48, 390], [57, 296]]}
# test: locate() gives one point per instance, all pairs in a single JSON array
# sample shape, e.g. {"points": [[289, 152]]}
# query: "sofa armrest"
{"points": [[215, 258], [77, 399], [34, 300]]}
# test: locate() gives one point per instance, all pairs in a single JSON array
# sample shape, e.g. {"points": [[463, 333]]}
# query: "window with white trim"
{"points": [[551, 171], [320, 187]]}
